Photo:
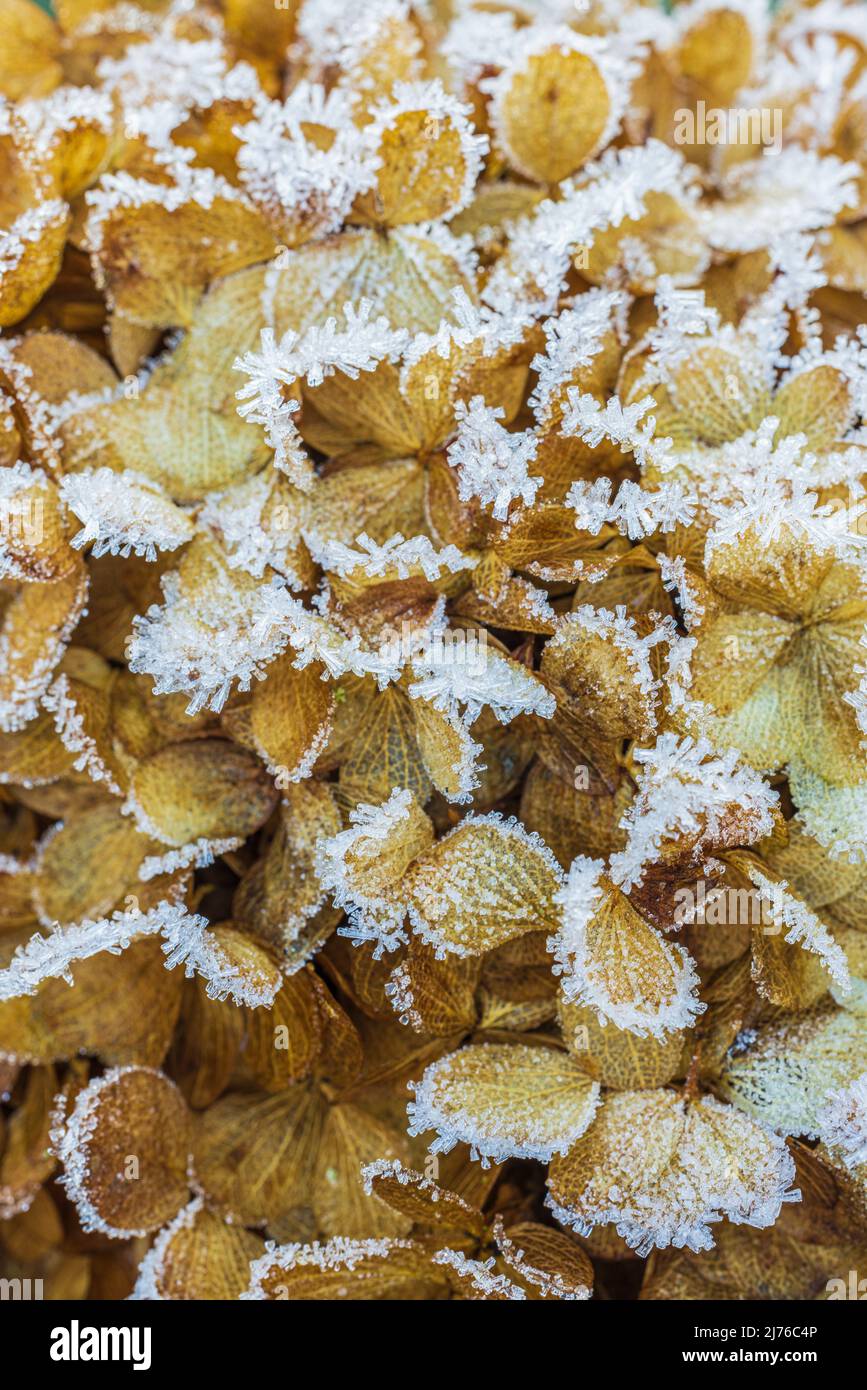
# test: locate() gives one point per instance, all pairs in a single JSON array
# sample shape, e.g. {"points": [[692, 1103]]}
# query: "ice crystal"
{"points": [[481, 1275], [398, 987], [27, 229], [451, 677], [178, 643], [492, 462], [633, 510], [360, 344], [372, 917], [395, 556], [199, 854], [70, 726], [477, 40], [686, 790], [186, 941], [797, 188], [843, 1122], [573, 338], [123, 514], [772, 496]]}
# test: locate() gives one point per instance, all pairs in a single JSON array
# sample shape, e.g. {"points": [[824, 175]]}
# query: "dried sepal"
{"points": [[505, 1101], [125, 1147], [350, 1269], [420, 1198], [665, 1168], [197, 1256], [613, 959]]}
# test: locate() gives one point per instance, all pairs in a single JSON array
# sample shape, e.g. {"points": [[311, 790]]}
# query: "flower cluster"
{"points": [[433, 649]]}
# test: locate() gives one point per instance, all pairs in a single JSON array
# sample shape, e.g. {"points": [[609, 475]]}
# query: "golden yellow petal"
{"points": [[126, 1149], [208, 789], [505, 1100], [484, 883], [550, 114], [199, 1256]]}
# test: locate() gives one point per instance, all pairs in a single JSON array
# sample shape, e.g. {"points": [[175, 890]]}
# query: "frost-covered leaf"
{"points": [[447, 677], [558, 102], [291, 716], [346, 1269], [782, 1073], [484, 883], [197, 1256], [153, 272], [665, 1169], [363, 866], [200, 789], [505, 1101], [612, 959], [551, 1263], [426, 154], [122, 514], [419, 1197], [129, 1113]]}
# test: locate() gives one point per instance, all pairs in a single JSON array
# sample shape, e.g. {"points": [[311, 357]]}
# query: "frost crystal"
{"points": [[481, 1275], [492, 462], [187, 942], [398, 987], [797, 189], [197, 855], [685, 791], [396, 556], [634, 511], [484, 678], [372, 917], [573, 338], [69, 723], [771, 495], [843, 1122], [359, 345], [123, 514], [203, 643]]}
